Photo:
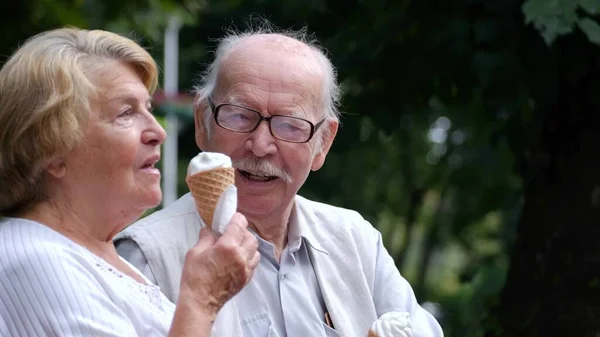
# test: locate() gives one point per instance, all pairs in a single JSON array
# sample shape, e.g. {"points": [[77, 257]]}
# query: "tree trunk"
{"points": [[553, 284], [416, 201], [430, 241]]}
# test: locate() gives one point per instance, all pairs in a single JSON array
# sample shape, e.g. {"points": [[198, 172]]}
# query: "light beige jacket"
{"points": [[357, 276]]}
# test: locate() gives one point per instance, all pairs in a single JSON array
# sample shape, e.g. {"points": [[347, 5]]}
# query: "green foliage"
{"points": [[414, 154], [592, 7], [467, 310], [440, 106], [554, 18], [69, 14], [591, 29], [152, 19]]}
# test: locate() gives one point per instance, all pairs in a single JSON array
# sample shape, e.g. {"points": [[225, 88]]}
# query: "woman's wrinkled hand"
{"points": [[218, 268]]}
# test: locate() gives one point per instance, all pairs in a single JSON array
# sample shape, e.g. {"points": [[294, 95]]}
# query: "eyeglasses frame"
{"points": [[216, 109]]}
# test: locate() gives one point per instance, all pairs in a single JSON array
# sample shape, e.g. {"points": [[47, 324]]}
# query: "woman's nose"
{"points": [[155, 134]]}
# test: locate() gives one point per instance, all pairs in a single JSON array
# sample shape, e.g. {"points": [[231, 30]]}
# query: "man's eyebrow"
{"points": [[297, 114], [236, 100]]}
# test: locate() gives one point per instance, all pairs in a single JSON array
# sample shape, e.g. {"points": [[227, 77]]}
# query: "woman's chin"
{"points": [[152, 199], [156, 200]]}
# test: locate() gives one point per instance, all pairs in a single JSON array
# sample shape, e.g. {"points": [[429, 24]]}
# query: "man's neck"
{"points": [[273, 228]]}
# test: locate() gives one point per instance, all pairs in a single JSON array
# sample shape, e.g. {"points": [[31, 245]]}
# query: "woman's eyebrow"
{"points": [[128, 97]]}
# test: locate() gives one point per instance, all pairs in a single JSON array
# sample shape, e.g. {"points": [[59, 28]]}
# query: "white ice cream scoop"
{"points": [[393, 324], [210, 178], [205, 161]]}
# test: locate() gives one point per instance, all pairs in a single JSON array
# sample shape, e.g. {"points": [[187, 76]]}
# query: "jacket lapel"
{"points": [[338, 270]]}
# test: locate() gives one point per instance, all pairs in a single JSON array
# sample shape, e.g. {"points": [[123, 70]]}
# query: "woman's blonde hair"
{"points": [[45, 88]]}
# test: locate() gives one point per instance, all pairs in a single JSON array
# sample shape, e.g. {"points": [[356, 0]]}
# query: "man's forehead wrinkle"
{"points": [[233, 89], [278, 44], [246, 70], [278, 41], [236, 73]]}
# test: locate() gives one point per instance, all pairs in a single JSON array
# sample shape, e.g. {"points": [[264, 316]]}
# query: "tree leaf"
{"points": [[590, 6], [551, 18], [591, 29]]}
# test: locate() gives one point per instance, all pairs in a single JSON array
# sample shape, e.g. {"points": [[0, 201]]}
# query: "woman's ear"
{"points": [[57, 168]]}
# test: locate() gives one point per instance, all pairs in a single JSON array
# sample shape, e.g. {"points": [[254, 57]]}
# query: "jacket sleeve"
{"points": [[391, 292]]}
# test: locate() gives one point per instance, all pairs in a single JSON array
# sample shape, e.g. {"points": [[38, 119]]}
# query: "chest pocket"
{"points": [[258, 325]]}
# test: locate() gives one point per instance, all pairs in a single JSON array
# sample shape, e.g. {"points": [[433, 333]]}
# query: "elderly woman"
{"points": [[78, 145]]}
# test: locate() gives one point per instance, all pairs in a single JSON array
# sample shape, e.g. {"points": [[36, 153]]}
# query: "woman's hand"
{"points": [[217, 269]]}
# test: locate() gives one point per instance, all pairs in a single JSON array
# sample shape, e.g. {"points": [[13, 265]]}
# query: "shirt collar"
{"points": [[300, 229]]}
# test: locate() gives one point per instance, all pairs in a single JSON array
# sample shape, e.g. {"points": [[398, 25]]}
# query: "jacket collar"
{"points": [[303, 225]]}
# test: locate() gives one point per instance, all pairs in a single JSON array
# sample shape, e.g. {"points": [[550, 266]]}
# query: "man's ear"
{"points": [[201, 135], [57, 168], [326, 143]]}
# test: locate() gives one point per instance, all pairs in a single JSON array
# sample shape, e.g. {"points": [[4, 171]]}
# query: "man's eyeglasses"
{"points": [[240, 119]]}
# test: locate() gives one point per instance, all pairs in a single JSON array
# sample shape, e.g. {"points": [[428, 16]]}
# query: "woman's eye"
{"points": [[126, 113]]}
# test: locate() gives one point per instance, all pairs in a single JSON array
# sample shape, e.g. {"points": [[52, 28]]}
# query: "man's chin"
{"points": [[258, 206]]}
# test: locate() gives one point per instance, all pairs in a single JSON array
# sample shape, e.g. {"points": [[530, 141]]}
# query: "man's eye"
{"points": [[290, 126], [238, 118]]}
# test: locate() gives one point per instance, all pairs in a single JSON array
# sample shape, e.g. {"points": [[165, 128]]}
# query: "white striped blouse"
{"points": [[51, 286]]}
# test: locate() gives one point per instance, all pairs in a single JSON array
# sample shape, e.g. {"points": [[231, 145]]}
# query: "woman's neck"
{"points": [[93, 236], [80, 230]]}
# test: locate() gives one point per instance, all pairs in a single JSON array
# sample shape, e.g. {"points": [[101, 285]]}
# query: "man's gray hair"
{"points": [[207, 82]]}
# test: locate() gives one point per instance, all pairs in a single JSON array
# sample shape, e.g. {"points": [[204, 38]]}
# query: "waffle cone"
{"points": [[372, 333], [206, 188]]}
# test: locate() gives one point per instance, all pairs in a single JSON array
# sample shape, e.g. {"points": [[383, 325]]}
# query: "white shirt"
{"points": [[51, 286], [283, 298], [358, 279]]}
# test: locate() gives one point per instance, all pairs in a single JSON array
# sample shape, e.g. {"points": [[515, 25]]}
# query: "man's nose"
{"points": [[261, 141]]}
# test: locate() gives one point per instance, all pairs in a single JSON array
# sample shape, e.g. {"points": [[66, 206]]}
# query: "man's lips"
{"points": [[256, 176]]}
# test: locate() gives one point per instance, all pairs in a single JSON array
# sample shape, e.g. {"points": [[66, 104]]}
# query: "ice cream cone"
{"points": [[372, 333], [206, 188]]}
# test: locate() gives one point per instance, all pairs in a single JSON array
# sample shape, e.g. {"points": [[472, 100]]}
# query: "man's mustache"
{"points": [[260, 166]]}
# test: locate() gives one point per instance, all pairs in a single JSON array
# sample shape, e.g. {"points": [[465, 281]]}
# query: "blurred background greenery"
{"points": [[469, 137]]}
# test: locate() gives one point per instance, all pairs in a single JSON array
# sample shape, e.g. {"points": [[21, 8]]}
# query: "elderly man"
{"points": [[269, 101]]}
